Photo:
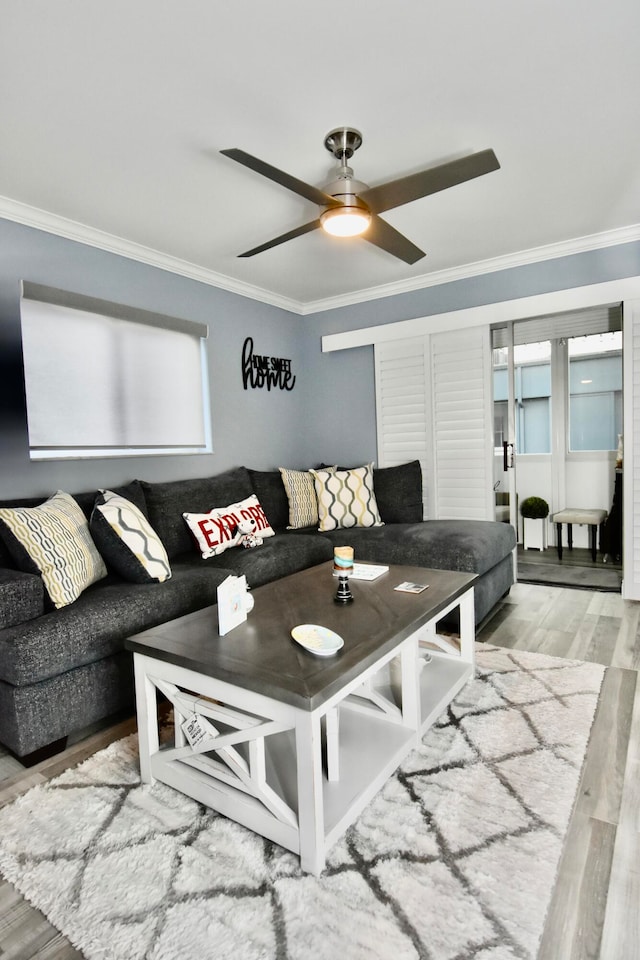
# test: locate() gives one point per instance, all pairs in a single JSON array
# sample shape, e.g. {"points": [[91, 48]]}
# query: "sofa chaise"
{"points": [[64, 668]]}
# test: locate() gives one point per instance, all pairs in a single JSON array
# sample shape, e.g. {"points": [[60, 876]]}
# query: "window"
{"points": [[532, 394], [595, 391], [105, 380]]}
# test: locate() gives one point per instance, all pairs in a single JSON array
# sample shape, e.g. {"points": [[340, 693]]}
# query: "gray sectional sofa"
{"points": [[63, 669]]}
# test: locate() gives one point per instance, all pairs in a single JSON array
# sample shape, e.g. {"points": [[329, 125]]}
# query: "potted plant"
{"points": [[534, 512]]}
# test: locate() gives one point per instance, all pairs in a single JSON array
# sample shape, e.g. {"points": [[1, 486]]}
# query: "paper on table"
{"points": [[368, 571], [232, 607]]}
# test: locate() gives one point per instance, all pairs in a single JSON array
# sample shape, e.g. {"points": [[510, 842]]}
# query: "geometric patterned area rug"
{"points": [[455, 858]]}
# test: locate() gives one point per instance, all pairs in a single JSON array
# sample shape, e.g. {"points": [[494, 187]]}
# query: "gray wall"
{"points": [[258, 428], [328, 417]]}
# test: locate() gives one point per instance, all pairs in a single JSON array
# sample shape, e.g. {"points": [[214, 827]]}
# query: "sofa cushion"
{"points": [[127, 541], [167, 502], [21, 597], [269, 489], [53, 539], [218, 530], [471, 546], [399, 492], [97, 624], [346, 498], [33, 716], [278, 557]]}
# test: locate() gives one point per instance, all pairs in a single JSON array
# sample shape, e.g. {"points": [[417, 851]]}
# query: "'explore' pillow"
{"points": [[346, 498], [216, 531]]}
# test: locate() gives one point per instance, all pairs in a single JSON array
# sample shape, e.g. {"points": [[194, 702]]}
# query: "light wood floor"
{"points": [[595, 907]]}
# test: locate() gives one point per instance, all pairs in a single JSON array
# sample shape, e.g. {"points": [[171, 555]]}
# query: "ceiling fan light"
{"points": [[345, 221]]}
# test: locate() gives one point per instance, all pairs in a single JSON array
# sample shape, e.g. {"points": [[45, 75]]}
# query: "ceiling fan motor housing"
{"points": [[343, 142], [344, 189]]}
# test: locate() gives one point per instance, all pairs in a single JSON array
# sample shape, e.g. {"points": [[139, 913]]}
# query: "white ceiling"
{"points": [[113, 115]]}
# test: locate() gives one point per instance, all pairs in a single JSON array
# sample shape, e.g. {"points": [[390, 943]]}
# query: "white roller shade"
{"points": [[110, 385]]}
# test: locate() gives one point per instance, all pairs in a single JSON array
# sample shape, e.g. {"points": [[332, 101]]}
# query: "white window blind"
{"points": [[103, 379]]}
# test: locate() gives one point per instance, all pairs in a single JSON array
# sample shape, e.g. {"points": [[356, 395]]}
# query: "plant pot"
{"points": [[534, 533]]}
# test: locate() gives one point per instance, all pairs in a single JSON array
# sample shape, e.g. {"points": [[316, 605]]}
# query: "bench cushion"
{"points": [[569, 515]]}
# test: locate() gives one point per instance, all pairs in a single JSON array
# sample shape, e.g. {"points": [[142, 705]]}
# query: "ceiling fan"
{"points": [[350, 208]]}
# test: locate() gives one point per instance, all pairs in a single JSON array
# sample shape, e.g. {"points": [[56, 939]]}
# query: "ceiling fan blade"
{"points": [[383, 235], [397, 192], [291, 235], [279, 176]]}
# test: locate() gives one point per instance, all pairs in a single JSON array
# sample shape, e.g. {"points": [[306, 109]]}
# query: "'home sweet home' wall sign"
{"points": [[260, 371]]}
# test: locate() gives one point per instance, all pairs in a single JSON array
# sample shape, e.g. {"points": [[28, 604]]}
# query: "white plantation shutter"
{"points": [[434, 403], [403, 407], [463, 441]]}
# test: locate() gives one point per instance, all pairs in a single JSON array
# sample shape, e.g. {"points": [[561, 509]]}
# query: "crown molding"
{"points": [[80, 232], [72, 230], [552, 251]]}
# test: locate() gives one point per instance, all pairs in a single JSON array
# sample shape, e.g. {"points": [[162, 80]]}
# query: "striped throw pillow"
{"points": [[53, 540], [346, 498]]}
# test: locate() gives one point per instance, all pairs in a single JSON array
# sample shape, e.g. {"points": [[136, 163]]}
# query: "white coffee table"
{"points": [[294, 746]]}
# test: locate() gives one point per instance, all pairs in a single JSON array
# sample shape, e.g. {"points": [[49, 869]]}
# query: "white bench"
{"points": [[571, 515]]}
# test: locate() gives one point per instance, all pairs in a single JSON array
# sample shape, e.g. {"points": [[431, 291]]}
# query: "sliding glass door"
{"points": [[558, 401]]}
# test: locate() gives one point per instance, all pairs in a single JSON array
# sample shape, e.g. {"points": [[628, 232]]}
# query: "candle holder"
{"points": [[342, 567], [344, 594]]}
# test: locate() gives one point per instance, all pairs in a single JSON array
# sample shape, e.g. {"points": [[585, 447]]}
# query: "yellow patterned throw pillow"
{"points": [[53, 540], [346, 498], [301, 494]]}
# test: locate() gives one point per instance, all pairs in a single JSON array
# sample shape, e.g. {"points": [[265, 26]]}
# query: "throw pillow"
{"points": [[127, 541], [301, 494], [53, 539], [346, 498], [217, 531]]}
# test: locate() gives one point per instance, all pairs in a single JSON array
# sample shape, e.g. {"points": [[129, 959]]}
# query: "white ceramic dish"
{"points": [[317, 640]]}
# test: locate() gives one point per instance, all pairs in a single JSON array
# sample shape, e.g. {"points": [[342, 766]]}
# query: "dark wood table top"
{"points": [[260, 655]]}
